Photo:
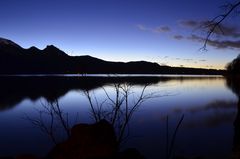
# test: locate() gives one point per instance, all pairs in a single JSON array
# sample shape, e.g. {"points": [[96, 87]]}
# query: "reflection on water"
{"points": [[234, 85], [137, 107]]}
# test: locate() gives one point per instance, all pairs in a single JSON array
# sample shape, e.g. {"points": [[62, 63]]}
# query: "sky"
{"points": [[162, 31]]}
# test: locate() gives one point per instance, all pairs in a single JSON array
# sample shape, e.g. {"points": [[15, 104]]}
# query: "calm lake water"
{"points": [[209, 105]]}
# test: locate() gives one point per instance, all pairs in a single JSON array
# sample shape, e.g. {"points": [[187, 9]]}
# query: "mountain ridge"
{"points": [[51, 60]]}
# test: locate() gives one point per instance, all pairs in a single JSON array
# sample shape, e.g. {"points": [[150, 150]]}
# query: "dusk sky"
{"points": [[162, 31]]}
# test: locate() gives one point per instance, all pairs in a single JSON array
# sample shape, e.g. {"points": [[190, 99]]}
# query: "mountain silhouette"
{"points": [[16, 60]]}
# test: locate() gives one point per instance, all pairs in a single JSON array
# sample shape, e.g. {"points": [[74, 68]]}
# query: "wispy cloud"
{"points": [[197, 38], [178, 37], [158, 29], [187, 60], [142, 27], [189, 23], [161, 29]]}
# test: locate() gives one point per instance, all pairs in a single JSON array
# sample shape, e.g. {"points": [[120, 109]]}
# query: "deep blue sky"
{"points": [[118, 30]]}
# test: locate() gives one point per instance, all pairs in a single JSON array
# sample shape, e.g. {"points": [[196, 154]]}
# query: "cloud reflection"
{"points": [[210, 115]]}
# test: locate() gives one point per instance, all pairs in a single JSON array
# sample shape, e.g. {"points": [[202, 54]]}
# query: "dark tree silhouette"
{"points": [[234, 66]]}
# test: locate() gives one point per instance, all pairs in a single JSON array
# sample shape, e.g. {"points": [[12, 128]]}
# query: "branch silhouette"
{"points": [[216, 22], [119, 107]]}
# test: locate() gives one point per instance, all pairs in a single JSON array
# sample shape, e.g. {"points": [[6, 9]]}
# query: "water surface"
{"points": [[208, 103]]}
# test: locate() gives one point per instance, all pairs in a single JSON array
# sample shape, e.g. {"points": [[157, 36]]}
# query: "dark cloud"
{"points": [[215, 105], [223, 30], [178, 37], [229, 31], [212, 120], [202, 60], [194, 37], [219, 44], [189, 23], [216, 113], [211, 106], [224, 44]]}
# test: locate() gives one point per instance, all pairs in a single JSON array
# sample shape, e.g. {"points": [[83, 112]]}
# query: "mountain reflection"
{"points": [[14, 89]]}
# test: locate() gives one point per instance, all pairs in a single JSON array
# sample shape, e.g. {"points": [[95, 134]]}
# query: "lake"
{"points": [[204, 107]]}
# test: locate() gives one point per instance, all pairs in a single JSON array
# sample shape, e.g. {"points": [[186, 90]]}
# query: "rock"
{"points": [[87, 142]]}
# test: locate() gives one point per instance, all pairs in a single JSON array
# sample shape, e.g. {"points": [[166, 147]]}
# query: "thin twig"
{"points": [[216, 21], [174, 137]]}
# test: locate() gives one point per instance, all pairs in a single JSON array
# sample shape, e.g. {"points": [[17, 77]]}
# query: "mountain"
{"points": [[6, 42], [16, 60], [9, 48]]}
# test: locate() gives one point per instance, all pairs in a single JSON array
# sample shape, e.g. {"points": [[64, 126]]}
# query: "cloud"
{"points": [[223, 30], [196, 38], [219, 44], [189, 23], [229, 31], [215, 105], [142, 27], [212, 120], [202, 60], [216, 113], [188, 60], [224, 44], [178, 37], [159, 29]]}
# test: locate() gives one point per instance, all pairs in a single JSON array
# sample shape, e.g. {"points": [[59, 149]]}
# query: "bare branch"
{"points": [[216, 21], [121, 110], [51, 118]]}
